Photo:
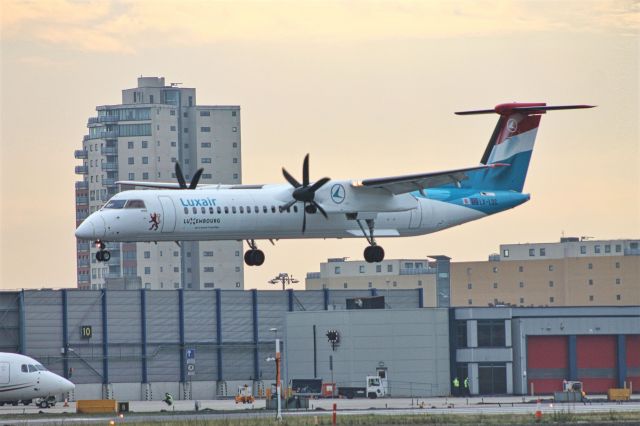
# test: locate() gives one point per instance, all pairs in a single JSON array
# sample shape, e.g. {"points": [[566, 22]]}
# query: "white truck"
{"points": [[376, 387]]}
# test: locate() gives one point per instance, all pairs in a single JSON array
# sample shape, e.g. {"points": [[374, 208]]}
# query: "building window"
{"points": [[208, 285], [617, 265], [607, 248], [370, 284], [590, 266], [419, 283], [346, 285], [205, 129], [491, 333], [130, 144], [543, 252], [461, 334], [235, 176], [235, 161], [520, 268], [205, 145], [521, 284], [551, 268], [590, 298], [145, 160], [505, 253], [395, 284], [617, 280], [130, 160], [132, 176], [469, 286], [176, 269], [532, 252], [208, 269], [237, 285], [233, 113], [521, 300], [362, 269], [378, 268], [551, 299], [172, 128], [583, 249], [337, 270], [205, 113], [590, 282], [469, 301], [172, 112], [147, 270], [174, 144], [618, 248], [147, 254], [207, 253], [145, 175], [495, 269], [389, 268], [550, 283], [618, 297], [596, 248], [206, 160], [145, 144]]}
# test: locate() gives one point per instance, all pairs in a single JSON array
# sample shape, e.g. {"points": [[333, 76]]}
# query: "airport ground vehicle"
{"points": [[375, 388], [244, 395]]}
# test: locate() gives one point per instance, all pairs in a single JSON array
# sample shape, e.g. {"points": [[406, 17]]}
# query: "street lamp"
{"points": [[284, 279], [277, 359]]}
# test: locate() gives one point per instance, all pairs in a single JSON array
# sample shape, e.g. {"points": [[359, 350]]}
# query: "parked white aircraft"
{"points": [[23, 379], [380, 207]]}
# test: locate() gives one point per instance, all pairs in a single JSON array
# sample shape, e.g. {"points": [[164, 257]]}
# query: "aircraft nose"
{"points": [[93, 228], [66, 385]]}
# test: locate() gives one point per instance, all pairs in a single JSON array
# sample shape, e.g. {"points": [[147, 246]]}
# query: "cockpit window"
{"points": [[135, 204], [40, 367], [24, 368], [32, 368], [115, 204]]}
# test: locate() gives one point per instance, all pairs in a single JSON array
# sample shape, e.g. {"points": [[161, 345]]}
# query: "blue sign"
{"points": [[337, 193], [191, 354]]}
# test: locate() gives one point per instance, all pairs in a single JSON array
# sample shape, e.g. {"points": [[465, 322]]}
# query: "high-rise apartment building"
{"points": [[141, 139]]}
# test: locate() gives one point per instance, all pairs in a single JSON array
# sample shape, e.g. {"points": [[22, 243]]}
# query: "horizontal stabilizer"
{"points": [[504, 109]]}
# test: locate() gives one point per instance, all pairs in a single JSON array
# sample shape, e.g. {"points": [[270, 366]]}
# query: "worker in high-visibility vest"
{"points": [[456, 386], [466, 386]]}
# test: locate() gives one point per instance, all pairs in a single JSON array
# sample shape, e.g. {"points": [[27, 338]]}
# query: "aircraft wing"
{"points": [[418, 182]]}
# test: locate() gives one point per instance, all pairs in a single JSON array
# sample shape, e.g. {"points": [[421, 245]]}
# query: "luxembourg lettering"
{"points": [[200, 220], [198, 202]]}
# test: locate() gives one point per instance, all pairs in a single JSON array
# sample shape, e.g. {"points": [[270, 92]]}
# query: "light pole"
{"points": [[283, 278], [278, 398]]}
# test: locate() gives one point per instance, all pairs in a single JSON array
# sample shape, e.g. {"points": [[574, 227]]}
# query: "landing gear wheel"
{"points": [[374, 254], [106, 255], [99, 255], [254, 257], [43, 404]]}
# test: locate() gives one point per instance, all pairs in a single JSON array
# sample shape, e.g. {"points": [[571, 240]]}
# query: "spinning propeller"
{"points": [[183, 183], [304, 192]]}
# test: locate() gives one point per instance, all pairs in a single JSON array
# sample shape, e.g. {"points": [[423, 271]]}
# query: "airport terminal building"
{"points": [[196, 344]]}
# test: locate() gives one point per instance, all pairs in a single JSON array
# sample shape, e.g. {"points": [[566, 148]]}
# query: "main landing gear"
{"points": [[373, 253], [253, 256], [102, 255]]}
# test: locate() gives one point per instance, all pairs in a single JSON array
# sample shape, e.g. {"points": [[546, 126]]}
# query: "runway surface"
{"points": [[150, 411]]}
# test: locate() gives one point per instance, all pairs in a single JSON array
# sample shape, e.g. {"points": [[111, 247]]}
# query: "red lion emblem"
{"points": [[155, 221]]}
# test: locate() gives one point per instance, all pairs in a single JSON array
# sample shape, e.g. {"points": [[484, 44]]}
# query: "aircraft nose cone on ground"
{"points": [[93, 228], [66, 385]]}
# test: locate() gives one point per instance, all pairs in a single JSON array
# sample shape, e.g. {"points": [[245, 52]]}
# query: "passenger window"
{"points": [[248, 209], [24, 368], [264, 209], [295, 209], [226, 210], [256, 209], [233, 209], [273, 209], [195, 210], [32, 368], [186, 210], [135, 204], [241, 209], [219, 210], [203, 210], [210, 210]]}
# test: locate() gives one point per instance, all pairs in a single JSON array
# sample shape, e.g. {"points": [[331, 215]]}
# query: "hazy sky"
{"points": [[367, 88]]}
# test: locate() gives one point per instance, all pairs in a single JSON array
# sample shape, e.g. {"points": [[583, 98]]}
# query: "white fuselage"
{"points": [[223, 213], [23, 379]]}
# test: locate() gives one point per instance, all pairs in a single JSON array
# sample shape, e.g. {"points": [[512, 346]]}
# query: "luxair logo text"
{"points": [[198, 202]]}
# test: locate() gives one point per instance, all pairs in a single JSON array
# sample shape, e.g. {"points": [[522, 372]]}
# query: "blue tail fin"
{"points": [[511, 143]]}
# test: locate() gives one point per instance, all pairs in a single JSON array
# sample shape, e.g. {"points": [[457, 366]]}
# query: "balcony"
{"points": [[85, 138], [632, 252], [107, 119], [109, 150], [417, 271], [84, 246], [92, 120], [110, 167], [109, 181], [82, 185], [82, 170], [109, 134], [80, 154], [83, 263], [82, 201], [313, 275]]}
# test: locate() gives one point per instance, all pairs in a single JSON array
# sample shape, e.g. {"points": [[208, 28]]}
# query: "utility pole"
{"points": [[283, 278]]}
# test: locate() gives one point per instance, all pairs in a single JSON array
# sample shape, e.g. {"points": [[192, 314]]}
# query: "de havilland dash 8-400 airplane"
{"points": [[396, 206]]}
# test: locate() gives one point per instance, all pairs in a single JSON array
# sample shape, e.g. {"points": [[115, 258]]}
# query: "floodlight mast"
{"points": [[283, 278]]}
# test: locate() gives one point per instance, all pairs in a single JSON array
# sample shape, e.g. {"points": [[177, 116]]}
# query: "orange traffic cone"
{"points": [[538, 414]]}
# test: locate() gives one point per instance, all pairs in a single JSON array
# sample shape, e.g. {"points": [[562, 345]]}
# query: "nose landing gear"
{"points": [[253, 256], [102, 255]]}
